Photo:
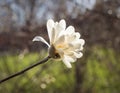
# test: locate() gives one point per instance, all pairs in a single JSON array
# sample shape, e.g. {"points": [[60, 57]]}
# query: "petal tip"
{"points": [[39, 38], [35, 39]]}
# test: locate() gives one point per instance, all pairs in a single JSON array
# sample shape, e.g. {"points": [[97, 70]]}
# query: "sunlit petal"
{"points": [[62, 24], [59, 28], [39, 38], [70, 30], [78, 55], [60, 40], [50, 29], [67, 62], [77, 35], [82, 41]]}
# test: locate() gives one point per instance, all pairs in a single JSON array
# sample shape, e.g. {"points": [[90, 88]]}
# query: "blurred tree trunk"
{"points": [[79, 78], [80, 72]]}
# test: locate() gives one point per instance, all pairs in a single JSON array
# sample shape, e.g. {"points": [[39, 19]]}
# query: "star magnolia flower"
{"points": [[65, 43]]}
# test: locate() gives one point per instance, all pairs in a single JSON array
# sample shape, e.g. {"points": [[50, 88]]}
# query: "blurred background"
{"points": [[98, 21]]}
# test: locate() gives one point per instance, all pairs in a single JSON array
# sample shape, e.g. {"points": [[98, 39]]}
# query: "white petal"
{"points": [[72, 58], [60, 40], [59, 28], [78, 44], [78, 55], [77, 35], [67, 63], [70, 30], [72, 37], [56, 23], [39, 38], [62, 24], [74, 45], [82, 41], [53, 34], [50, 27], [68, 59], [81, 48]]}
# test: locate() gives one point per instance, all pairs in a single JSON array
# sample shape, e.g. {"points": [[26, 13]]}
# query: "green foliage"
{"points": [[102, 71], [101, 74], [46, 78]]}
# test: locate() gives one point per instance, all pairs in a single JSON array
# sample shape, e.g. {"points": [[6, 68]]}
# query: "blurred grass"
{"points": [[101, 74], [46, 78], [102, 71]]}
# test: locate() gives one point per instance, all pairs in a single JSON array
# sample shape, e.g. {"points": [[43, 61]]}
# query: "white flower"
{"points": [[65, 43]]}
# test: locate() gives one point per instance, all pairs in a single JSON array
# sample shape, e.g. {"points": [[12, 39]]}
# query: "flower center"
{"points": [[53, 53], [61, 46]]}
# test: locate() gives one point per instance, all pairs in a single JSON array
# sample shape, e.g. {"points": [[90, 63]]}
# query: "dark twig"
{"points": [[25, 70]]}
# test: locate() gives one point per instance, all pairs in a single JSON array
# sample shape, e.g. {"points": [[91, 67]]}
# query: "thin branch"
{"points": [[25, 70]]}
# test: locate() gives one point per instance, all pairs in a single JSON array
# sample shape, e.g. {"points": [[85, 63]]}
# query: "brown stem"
{"points": [[24, 70]]}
